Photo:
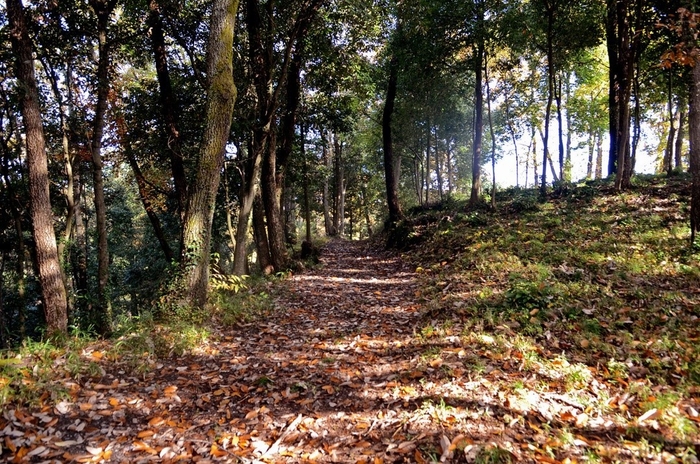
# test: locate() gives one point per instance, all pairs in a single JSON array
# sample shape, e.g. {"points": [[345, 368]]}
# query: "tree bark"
{"points": [[678, 164], [260, 235], [392, 163], [221, 98], [102, 313], [694, 133], [478, 122], [550, 94], [667, 165], [52, 287]]}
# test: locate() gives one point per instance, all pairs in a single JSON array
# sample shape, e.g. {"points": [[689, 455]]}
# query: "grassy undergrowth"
{"points": [[592, 293], [42, 372]]}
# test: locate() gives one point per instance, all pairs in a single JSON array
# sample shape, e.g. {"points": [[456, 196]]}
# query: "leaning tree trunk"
{"points": [[694, 132], [221, 98], [52, 287], [169, 107]]}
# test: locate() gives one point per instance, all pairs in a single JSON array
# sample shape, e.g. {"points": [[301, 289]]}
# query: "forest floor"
{"points": [[517, 337]]}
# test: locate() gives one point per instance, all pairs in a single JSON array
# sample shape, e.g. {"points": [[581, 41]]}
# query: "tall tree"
{"points": [[392, 166], [102, 311], [52, 286], [221, 98]]}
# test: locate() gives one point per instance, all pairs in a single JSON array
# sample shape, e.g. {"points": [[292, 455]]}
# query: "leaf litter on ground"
{"points": [[562, 332]]}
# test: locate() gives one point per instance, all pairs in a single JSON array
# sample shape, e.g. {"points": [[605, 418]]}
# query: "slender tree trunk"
{"points": [[679, 139], [52, 287], [169, 108], [221, 98], [427, 163], [145, 196], [493, 138], [478, 121], [591, 154], [307, 180], [102, 312], [260, 235], [249, 190], [611, 37], [550, 94], [560, 127], [341, 185], [694, 132], [599, 156], [450, 173], [328, 223], [511, 130], [81, 246], [4, 333], [438, 164], [667, 165], [392, 162], [567, 157], [271, 200]]}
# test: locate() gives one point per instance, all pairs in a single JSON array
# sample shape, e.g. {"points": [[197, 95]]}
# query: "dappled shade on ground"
{"points": [[476, 352]]}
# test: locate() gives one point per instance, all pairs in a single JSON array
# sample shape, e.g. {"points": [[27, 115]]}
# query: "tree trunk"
{"points": [[249, 189], [260, 235], [102, 313], [478, 122], [678, 164], [392, 163], [4, 333], [438, 165], [511, 130], [81, 245], [599, 156], [271, 200], [427, 164], [339, 218], [591, 154], [450, 173], [52, 287], [169, 108], [667, 165], [145, 196], [221, 98], [307, 180], [328, 223], [550, 94], [567, 158], [694, 159], [493, 138], [560, 127]]}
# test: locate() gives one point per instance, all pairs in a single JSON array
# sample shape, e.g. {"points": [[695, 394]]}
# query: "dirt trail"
{"points": [[328, 377]]}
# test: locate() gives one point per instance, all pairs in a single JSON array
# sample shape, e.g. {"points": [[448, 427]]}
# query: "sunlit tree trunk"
{"points": [[52, 287], [221, 98], [678, 163], [694, 133]]}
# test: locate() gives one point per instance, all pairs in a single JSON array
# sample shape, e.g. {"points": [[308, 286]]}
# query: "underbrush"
{"points": [[45, 372], [592, 291]]}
